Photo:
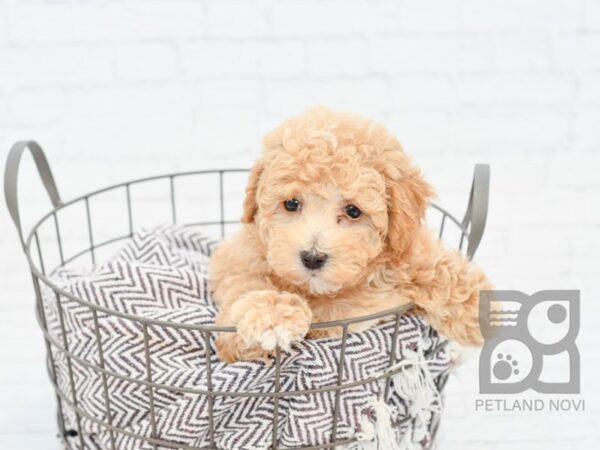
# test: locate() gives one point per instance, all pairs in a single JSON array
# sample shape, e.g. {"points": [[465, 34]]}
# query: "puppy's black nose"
{"points": [[313, 260]]}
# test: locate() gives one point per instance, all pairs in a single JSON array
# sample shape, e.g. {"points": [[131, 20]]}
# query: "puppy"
{"points": [[333, 228]]}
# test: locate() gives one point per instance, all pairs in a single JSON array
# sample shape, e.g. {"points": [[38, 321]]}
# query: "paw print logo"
{"points": [[511, 361], [522, 332], [505, 367]]}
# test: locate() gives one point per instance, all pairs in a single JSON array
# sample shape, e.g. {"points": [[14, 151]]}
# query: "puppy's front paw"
{"points": [[271, 319]]}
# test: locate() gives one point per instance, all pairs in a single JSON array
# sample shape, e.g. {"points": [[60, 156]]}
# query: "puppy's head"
{"points": [[332, 194]]}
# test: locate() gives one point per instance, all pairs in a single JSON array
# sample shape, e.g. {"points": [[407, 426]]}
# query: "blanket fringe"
{"points": [[414, 383]]}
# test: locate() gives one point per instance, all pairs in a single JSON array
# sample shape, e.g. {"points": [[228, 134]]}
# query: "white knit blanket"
{"points": [[161, 274]]}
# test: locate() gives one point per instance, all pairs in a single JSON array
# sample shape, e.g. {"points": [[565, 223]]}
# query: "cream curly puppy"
{"points": [[333, 228]]}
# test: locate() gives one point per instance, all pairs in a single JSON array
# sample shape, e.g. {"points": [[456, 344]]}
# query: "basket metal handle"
{"points": [[477, 209], [11, 177]]}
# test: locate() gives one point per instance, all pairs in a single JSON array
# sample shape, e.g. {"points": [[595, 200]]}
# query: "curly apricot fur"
{"points": [[385, 258]]}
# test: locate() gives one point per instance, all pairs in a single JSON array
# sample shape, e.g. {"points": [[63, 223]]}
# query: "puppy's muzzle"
{"points": [[313, 260]]}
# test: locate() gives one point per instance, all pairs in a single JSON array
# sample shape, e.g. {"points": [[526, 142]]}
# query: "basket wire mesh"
{"points": [[470, 231]]}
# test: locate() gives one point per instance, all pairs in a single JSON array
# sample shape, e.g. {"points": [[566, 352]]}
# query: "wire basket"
{"points": [[92, 238]]}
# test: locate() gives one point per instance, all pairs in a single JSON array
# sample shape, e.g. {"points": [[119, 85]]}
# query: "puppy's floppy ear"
{"points": [[408, 195], [250, 202]]}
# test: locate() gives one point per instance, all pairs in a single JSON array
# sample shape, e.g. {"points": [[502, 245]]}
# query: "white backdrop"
{"points": [[122, 89]]}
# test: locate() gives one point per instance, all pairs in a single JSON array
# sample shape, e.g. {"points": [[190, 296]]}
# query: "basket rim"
{"points": [[46, 278]]}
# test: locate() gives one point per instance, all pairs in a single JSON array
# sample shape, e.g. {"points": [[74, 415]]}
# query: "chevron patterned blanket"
{"points": [[161, 275]]}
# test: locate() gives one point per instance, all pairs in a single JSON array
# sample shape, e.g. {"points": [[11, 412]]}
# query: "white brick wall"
{"points": [[121, 89]]}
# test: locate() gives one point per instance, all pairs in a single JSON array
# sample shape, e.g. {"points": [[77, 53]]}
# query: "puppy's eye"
{"points": [[353, 212], [292, 205]]}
